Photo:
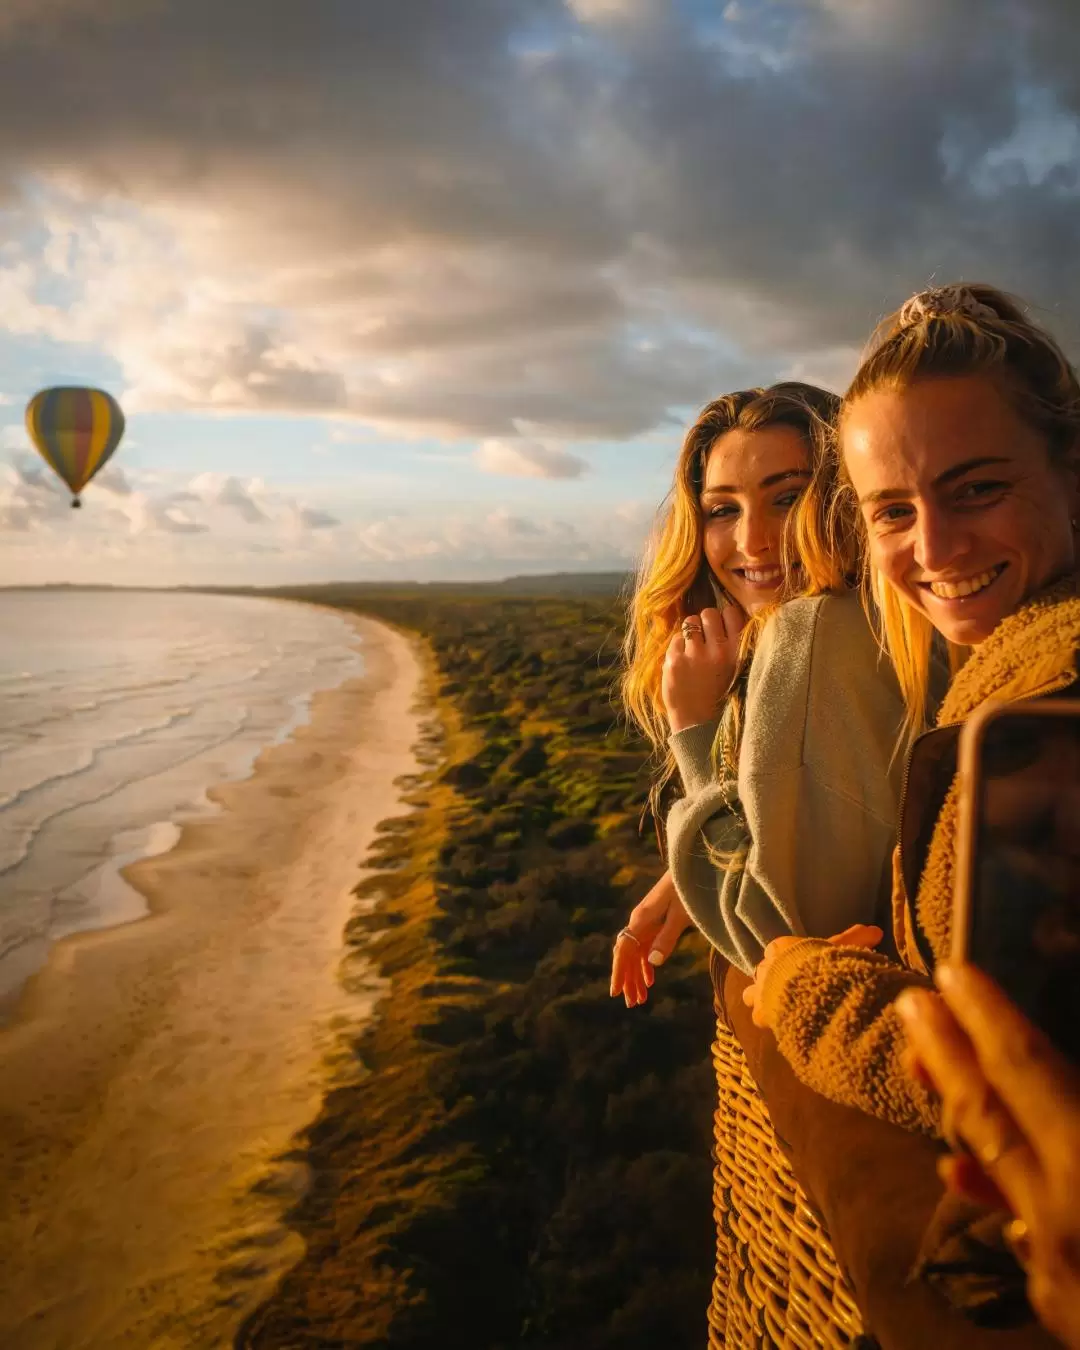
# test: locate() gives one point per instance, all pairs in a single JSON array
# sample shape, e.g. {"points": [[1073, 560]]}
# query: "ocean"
{"points": [[117, 711]]}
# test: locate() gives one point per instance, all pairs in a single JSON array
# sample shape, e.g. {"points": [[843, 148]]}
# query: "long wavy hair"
{"points": [[674, 578], [957, 330]]}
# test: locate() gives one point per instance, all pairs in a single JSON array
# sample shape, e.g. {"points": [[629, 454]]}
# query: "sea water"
{"points": [[118, 709]]}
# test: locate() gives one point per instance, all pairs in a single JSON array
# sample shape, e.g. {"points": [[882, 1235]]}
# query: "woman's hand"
{"points": [[656, 924], [1014, 1101], [700, 665], [858, 935]]}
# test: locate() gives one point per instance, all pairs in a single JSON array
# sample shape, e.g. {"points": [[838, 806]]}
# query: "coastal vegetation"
{"points": [[516, 1159]]}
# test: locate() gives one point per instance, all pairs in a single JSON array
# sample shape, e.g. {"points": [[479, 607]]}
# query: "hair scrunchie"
{"points": [[941, 302]]}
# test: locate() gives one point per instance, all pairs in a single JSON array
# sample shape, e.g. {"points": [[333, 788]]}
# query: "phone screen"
{"points": [[1025, 903]]}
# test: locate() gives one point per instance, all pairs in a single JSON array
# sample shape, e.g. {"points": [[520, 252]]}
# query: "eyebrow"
{"points": [[942, 480], [773, 478]]}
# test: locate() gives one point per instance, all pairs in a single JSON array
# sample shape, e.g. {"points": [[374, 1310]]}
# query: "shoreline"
{"points": [[118, 901], [158, 1071]]}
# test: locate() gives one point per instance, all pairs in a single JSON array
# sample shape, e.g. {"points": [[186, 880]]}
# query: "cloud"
{"points": [[14, 438], [28, 496], [151, 515], [34, 504], [112, 478], [502, 539], [226, 490], [308, 518], [580, 216], [527, 459]]}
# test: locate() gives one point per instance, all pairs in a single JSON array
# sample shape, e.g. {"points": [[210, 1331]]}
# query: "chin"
{"points": [[969, 629], [967, 633]]}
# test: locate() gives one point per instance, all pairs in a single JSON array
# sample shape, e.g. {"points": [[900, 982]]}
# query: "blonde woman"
{"points": [[960, 437], [752, 669]]}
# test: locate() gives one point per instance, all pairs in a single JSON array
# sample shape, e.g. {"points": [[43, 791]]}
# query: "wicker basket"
{"points": [[778, 1282]]}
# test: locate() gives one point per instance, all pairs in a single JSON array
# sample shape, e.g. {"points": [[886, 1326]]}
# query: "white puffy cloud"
{"points": [[32, 501], [29, 497], [227, 490], [112, 478], [311, 519], [527, 459]]}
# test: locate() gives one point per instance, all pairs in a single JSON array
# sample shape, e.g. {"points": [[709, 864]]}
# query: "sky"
{"points": [[430, 289]]}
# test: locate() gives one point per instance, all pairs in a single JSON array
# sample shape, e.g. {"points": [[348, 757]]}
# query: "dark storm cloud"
{"points": [[499, 218]]}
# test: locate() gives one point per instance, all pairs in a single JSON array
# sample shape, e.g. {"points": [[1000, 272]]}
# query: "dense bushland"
{"points": [[519, 1160]]}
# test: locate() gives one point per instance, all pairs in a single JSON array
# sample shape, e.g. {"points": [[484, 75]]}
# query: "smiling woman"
{"points": [[961, 441], [752, 480], [751, 664], [963, 534]]}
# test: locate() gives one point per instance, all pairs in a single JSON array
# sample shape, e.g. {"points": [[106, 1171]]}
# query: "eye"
{"points": [[786, 500], [980, 492], [895, 514], [724, 510]]}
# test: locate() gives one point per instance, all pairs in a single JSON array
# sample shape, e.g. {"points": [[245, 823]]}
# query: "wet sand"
{"points": [[157, 1073]]}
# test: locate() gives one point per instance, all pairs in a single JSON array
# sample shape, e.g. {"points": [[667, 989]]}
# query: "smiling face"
{"points": [[966, 515], [752, 479]]}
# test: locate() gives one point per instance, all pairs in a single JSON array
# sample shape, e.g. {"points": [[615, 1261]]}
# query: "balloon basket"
{"points": [[75, 504]]}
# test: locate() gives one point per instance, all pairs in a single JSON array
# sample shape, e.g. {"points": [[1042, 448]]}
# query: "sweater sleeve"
{"points": [[832, 1010], [730, 844], [803, 839], [705, 824]]}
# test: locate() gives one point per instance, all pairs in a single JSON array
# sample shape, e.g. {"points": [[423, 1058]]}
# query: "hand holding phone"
{"points": [[1017, 882]]}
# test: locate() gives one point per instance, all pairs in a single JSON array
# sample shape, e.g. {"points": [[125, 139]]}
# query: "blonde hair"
{"points": [[957, 330], [674, 578]]}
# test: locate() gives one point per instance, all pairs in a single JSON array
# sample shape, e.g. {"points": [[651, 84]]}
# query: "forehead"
{"points": [[914, 434], [741, 459]]}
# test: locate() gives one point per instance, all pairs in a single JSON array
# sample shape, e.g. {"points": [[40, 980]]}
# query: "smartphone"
{"points": [[1017, 882]]}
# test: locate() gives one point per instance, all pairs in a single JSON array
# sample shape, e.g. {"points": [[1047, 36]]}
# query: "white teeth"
{"points": [[762, 575], [956, 590]]}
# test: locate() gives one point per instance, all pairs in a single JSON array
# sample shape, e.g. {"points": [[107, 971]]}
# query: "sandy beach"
{"points": [[157, 1073]]}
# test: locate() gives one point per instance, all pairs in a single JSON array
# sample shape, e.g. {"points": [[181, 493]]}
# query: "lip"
{"points": [[963, 601]]}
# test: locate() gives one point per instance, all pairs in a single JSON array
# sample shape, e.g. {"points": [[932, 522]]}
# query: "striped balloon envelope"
{"points": [[75, 430]]}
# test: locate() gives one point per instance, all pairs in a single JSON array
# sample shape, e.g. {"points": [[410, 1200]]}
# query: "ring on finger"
{"points": [[1001, 1140], [1000, 1134], [689, 628], [625, 932]]}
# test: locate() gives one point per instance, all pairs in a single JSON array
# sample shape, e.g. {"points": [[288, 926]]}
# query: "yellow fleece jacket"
{"points": [[832, 1007]]}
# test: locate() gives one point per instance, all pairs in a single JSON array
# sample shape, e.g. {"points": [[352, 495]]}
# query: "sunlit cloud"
{"points": [[527, 459], [519, 230]]}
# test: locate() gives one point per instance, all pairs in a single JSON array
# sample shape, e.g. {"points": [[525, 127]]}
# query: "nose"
{"points": [[939, 539], [752, 536]]}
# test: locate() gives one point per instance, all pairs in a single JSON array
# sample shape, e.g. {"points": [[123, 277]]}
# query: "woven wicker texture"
{"points": [[777, 1282]]}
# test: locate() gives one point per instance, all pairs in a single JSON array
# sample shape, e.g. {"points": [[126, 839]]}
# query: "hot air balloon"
{"points": [[75, 430]]}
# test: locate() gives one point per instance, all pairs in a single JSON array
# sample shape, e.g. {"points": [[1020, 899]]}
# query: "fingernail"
{"points": [[945, 976], [907, 1006], [656, 957]]}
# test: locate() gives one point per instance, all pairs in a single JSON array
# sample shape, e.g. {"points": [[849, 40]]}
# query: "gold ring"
{"points": [[1008, 1138], [689, 628]]}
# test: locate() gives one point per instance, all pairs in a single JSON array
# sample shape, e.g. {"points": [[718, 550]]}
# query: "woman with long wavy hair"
{"points": [[752, 670]]}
